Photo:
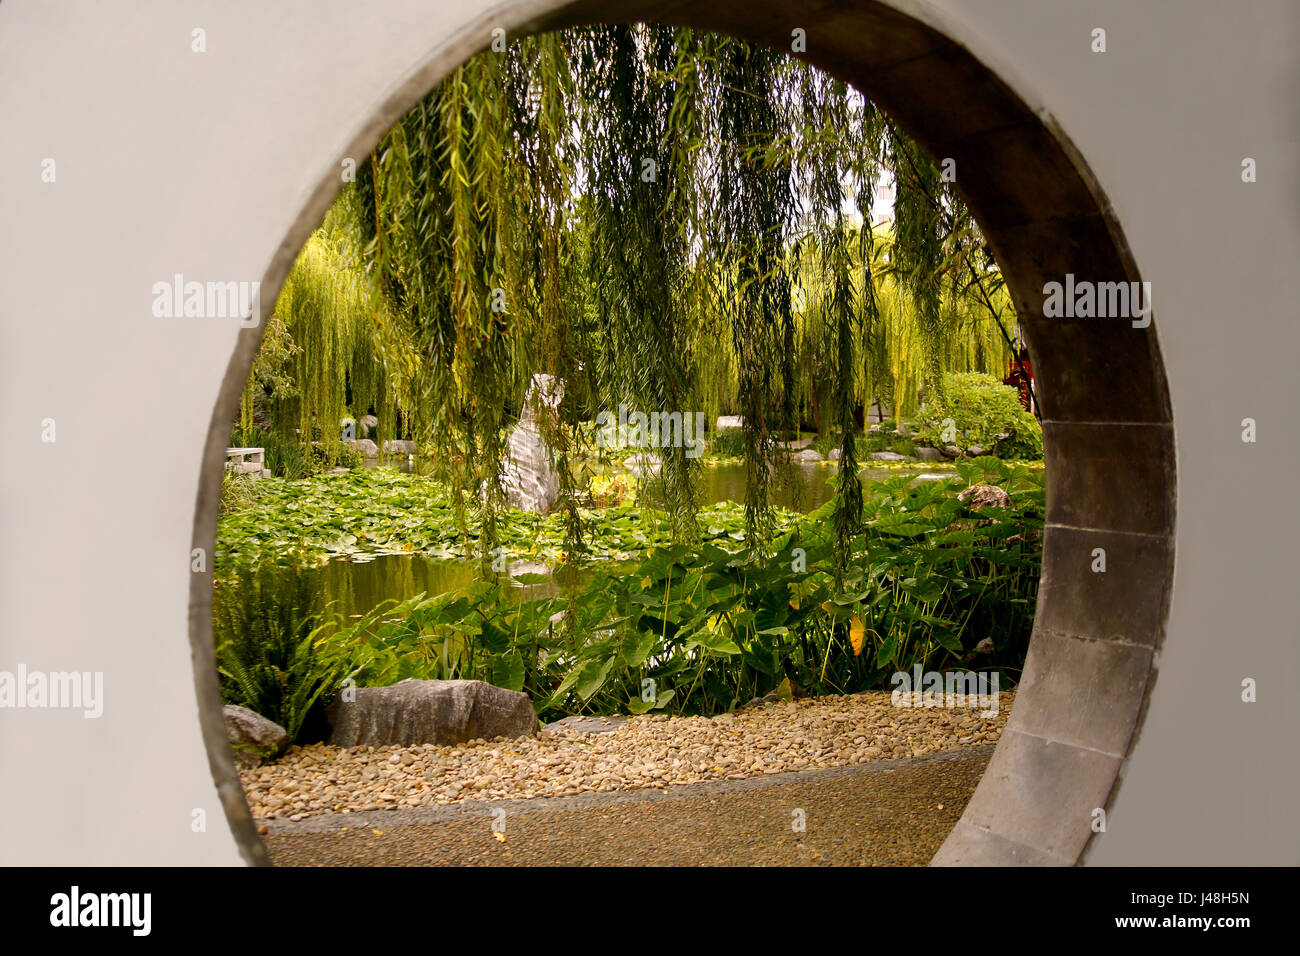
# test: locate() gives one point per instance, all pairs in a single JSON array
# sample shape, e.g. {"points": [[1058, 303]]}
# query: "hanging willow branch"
{"points": [[631, 209]]}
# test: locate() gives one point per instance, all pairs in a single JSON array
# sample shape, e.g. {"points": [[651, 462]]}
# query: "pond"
{"points": [[355, 586], [802, 487]]}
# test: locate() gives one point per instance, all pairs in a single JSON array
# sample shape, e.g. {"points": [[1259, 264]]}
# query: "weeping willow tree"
{"points": [[847, 309], [333, 344], [641, 137], [662, 219]]}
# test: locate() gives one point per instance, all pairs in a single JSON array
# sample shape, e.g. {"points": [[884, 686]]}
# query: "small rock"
{"points": [[984, 496], [253, 737]]}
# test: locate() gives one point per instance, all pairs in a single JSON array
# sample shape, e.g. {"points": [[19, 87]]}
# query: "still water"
{"points": [[801, 487], [357, 586]]}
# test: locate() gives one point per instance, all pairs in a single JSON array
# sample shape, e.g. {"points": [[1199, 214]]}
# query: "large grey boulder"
{"points": [[399, 446], [808, 454], [253, 737], [888, 456], [441, 712], [929, 454]]}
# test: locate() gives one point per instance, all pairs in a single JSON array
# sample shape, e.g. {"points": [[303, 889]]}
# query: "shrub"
{"points": [[727, 443], [928, 580], [265, 627], [984, 412], [284, 457], [886, 441], [237, 491], [335, 454]]}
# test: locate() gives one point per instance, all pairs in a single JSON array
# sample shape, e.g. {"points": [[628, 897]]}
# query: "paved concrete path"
{"points": [[887, 813]]}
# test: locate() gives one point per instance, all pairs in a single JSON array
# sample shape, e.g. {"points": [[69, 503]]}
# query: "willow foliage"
{"points": [[663, 219]]}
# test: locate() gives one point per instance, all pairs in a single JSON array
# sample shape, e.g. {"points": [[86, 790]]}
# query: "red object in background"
{"points": [[1020, 375]]}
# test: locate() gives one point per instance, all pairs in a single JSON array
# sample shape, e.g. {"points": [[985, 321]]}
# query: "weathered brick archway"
{"points": [[1107, 416]]}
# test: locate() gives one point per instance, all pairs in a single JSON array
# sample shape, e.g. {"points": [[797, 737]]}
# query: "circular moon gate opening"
{"points": [[1107, 419]]}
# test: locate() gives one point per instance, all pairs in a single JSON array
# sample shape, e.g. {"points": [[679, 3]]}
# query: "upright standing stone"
{"points": [[530, 483]]}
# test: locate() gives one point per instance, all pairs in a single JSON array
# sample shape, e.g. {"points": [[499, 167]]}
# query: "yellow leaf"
{"points": [[377, 832], [857, 635], [501, 837]]}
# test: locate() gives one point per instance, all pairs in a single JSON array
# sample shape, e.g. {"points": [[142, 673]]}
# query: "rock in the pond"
{"points": [[399, 446], [530, 483], [951, 451], [888, 456], [442, 712], [808, 454], [365, 446], [253, 737], [926, 453], [729, 421], [975, 451], [367, 424], [984, 496], [834, 454]]}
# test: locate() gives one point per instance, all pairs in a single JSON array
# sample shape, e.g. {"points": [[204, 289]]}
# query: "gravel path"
{"points": [[650, 752], [884, 813]]}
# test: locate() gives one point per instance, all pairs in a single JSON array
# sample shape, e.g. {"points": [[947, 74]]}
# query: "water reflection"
{"points": [[355, 586]]}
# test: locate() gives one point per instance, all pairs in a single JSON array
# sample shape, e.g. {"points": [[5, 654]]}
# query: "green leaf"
{"points": [[508, 671]]}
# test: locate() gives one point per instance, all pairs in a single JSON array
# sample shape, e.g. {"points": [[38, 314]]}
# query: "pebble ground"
{"points": [[832, 781], [649, 752], [887, 813]]}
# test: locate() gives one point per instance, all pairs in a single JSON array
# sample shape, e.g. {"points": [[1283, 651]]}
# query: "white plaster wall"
{"points": [[170, 161]]}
